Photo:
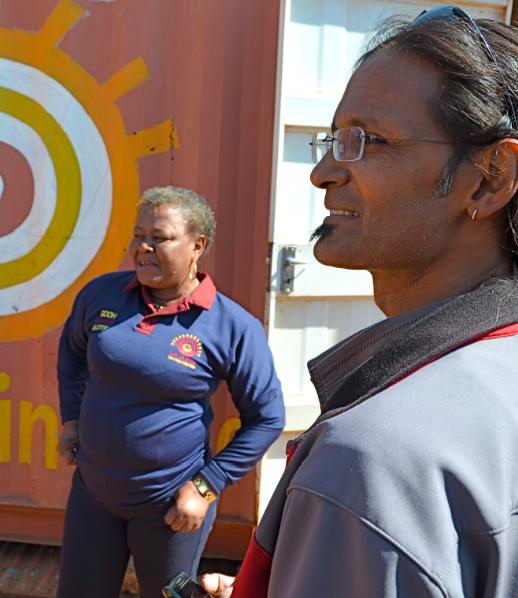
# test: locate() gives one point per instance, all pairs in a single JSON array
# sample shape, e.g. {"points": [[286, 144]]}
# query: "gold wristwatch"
{"points": [[204, 489]]}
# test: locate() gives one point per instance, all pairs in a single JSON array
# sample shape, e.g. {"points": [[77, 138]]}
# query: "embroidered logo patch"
{"points": [[186, 346], [108, 314], [104, 320]]}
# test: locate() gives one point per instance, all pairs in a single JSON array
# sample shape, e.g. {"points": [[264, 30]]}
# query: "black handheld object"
{"points": [[183, 586]]}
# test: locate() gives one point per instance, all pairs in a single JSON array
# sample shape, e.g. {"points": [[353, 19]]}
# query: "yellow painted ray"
{"points": [[126, 78], [154, 140], [65, 15]]}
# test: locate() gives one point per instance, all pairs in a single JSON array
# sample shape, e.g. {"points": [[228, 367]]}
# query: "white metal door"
{"points": [[312, 306]]}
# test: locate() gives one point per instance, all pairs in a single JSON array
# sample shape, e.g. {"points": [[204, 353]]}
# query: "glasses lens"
{"points": [[320, 145], [349, 144]]}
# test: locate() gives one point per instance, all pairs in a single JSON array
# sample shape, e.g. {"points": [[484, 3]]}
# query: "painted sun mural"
{"points": [[68, 166]]}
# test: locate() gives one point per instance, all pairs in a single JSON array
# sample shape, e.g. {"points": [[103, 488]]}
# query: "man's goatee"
{"points": [[320, 232]]}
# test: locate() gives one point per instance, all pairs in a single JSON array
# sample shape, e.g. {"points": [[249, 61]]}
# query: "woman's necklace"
{"points": [[158, 305]]}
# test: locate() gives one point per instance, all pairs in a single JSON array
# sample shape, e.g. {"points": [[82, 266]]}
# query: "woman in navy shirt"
{"points": [[140, 356]]}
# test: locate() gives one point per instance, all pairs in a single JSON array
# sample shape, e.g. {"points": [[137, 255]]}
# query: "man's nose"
{"points": [[329, 173]]}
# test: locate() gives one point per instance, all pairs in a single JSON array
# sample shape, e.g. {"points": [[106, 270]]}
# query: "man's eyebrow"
{"points": [[365, 123], [356, 121]]}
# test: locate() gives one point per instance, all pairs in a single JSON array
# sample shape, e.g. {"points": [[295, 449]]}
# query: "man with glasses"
{"points": [[407, 484]]}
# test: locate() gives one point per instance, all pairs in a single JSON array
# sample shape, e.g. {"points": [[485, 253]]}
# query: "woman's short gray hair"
{"points": [[194, 209]]}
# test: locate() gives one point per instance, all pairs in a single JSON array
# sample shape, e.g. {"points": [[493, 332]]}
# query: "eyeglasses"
{"points": [[348, 144], [449, 12]]}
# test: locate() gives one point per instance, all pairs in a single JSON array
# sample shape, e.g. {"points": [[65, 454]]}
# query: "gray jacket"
{"points": [[413, 492]]}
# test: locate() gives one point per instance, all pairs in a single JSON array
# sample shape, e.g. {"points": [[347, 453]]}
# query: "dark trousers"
{"points": [[97, 544]]}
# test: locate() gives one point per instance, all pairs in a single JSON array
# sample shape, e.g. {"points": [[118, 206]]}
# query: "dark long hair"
{"points": [[473, 104]]}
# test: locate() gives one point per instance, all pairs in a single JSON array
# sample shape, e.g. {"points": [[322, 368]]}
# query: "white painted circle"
{"points": [[1, 186], [96, 181], [27, 235]]}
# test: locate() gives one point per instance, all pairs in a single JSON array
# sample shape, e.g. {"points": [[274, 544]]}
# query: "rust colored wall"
{"points": [[178, 92]]}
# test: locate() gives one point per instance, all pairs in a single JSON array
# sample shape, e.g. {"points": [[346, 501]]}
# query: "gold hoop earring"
{"points": [[474, 215]]}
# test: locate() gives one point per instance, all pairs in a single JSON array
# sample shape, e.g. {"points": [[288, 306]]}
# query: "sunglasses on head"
{"points": [[449, 12]]}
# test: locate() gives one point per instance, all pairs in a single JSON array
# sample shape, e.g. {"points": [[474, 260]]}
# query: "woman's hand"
{"points": [[189, 510], [69, 441], [217, 584]]}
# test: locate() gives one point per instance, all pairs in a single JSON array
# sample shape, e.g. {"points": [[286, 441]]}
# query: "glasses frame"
{"points": [[451, 12], [331, 142]]}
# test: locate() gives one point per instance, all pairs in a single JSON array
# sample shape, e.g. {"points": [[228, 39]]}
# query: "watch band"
{"points": [[204, 489]]}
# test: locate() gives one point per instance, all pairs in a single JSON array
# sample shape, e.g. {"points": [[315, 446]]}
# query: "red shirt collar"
{"points": [[202, 296]]}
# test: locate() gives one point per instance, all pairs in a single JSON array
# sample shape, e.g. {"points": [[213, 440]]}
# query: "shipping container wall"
{"points": [[99, 100]]}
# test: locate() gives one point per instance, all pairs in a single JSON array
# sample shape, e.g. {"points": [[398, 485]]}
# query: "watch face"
{"points": [[204, 489]]}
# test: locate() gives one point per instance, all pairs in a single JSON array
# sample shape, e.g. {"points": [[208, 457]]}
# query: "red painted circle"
{"points": [[18, 194]]}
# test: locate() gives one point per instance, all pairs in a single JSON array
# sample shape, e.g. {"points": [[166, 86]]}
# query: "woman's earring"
{"points": [[195, 267], [474, 215]]}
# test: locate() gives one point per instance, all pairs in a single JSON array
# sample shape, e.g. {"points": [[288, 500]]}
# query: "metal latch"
{"points": [[288, 262]]}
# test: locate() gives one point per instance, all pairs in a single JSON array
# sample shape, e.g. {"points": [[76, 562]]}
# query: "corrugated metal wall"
{"points": [[98, 100]]}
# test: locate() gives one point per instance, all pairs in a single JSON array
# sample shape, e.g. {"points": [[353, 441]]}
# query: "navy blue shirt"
{"points": [[139, 382]]}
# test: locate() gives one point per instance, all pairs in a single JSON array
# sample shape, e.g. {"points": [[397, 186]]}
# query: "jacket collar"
{"points": [[383, 354]]}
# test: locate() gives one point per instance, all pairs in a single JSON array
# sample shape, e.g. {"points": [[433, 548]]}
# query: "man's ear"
{"points": [[499, 182]]}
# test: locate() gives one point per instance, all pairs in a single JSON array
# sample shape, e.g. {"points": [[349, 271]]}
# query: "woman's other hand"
{"points": [[69, 441], [217, 584], [189, 510]]}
